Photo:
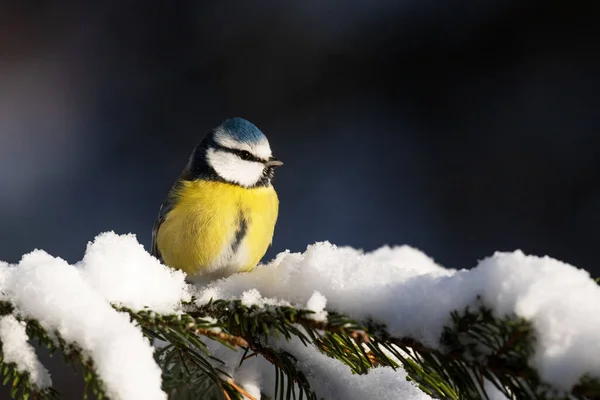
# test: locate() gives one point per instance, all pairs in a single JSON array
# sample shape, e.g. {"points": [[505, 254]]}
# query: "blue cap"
{"points": [[242, 130]]}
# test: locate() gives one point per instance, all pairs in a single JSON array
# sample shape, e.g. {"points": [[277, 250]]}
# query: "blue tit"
{"points": [[219, 216]]}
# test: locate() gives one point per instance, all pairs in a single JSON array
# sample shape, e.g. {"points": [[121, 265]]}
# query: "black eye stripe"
{"points": [[243, 154], [246, 155], [240, 153]]}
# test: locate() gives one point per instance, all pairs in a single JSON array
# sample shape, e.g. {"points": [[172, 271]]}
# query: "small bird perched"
{"points": [[219, 216]]}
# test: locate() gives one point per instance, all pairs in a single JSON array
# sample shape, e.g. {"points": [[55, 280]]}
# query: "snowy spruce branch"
{"points": [[326, 324], [479, 348]]}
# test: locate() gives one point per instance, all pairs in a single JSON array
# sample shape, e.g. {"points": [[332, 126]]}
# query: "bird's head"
{"points": [[237, 152]]}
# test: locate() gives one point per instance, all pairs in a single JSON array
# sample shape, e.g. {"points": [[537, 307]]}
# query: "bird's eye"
{"points": [[245, 155]]}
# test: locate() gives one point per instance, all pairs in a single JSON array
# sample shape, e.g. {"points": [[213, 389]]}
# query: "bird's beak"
{"points": [[273, 162]]}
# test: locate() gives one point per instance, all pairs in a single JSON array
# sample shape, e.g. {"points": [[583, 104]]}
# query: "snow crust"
{"points": [[399, 286]]}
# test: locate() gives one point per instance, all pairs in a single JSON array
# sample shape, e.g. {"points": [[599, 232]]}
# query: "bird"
{"points": [[219, 216]]}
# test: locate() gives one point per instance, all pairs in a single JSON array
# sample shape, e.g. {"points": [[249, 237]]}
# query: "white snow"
{"points": [[121, 271], [398, 286], [317, 303], [329, 378], [16, 349], [414, 296], [75, 300], [251, 298]]}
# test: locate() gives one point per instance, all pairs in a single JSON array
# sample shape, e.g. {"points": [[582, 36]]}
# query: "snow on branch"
{"points": [[332, 322], [17, 350]]}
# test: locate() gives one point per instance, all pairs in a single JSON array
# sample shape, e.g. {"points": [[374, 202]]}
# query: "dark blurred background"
{"points": [[458, 127]]}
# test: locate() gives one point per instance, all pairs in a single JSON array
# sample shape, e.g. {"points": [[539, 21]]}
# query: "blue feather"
{"points": [[242, 130]]}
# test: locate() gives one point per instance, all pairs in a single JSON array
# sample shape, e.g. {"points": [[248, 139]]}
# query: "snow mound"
{"points": [[408, 291], [399, 286], [75, 300], [122, 272]]}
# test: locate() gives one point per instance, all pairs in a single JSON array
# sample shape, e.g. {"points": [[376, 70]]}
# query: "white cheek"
{"points": [[233, 169]]}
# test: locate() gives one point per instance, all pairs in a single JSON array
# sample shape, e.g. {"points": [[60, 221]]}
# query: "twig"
{"points": [[226, 337], [246, 356], [225, 393], [359, 335], [240, 389]]}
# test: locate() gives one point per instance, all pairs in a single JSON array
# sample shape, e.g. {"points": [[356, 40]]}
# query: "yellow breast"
{"points": [[218, 227]]}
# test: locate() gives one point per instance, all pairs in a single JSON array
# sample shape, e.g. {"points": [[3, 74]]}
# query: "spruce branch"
{"points": [[72, 355], [186, 361], [255, 325], [476, 346], [21, 386]]}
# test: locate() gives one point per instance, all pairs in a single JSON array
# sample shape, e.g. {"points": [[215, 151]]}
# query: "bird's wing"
{"points": [[165, 208]]}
